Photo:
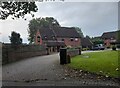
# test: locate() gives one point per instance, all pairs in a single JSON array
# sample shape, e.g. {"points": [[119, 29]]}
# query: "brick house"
{"points": [[55, 38], [68, 35], [109, 38]]}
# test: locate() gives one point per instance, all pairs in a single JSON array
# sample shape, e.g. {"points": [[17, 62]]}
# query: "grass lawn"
{"points": [[104, 63]]}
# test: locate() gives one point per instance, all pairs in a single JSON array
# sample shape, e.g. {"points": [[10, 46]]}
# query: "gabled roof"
{"points": [[47, 33], [66, 32], [86, 42], [109, 35], [56, 32]]}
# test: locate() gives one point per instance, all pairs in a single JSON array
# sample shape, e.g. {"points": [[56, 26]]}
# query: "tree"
{"points": [[87, 36], [15, 38], [79, 31], [16, 9], [97, 40], [37, 23]]}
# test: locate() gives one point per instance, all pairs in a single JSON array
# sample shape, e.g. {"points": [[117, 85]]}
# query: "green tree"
{"points": [[38, 23], [15, 38], [97, 40], [79, 31], [16, 9], [87, 36]]}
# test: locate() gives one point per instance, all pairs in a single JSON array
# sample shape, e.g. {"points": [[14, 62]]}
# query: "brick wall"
{"points": [[9, 54], [68, 42], [107, 42], [73, 52]]}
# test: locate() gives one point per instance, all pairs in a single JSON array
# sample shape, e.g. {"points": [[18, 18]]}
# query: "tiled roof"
{"points": [[62, 32], [47, 34], [109, 35], [66, 32], [86, 42]]}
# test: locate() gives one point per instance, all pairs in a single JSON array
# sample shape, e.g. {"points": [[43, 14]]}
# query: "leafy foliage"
{"points": [[16, 9], [15, 38], [97, 40], [87, 36], [38, 23]]}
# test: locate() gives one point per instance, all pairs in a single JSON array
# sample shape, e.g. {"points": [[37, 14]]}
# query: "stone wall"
{"points": [[10, 54], [73, 52]]}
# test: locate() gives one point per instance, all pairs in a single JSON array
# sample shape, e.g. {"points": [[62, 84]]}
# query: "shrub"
{"points": [[113, 47]]}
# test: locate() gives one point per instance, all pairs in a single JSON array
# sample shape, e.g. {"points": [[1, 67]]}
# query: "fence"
{"points": [[10, 54]]}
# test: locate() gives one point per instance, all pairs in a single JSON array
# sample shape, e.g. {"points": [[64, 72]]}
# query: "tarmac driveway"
{"points": [[42, 71]]}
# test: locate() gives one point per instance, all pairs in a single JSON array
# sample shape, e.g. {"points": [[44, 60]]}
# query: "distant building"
{"points": [[55, 38], [109, 38]]}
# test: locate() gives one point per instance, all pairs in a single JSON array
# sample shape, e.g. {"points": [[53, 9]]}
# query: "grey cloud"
{"points": [[19, 26], [93, 17]]}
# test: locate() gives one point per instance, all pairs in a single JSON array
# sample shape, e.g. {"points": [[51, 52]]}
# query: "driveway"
{"points": [[43, 71]]}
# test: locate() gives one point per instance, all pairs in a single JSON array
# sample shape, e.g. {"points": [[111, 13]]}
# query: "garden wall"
{"points": [[66, 54], [10, 54], [73, 52]]}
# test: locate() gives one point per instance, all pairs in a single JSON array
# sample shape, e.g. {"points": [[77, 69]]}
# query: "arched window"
{"points": [[38, 38]]}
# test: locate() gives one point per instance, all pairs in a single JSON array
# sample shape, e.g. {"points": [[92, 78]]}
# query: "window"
{"points": [[111, 38], [45, 37], [71, 39], [76, 39], [53, 37], [62, 39], [38, 38]]}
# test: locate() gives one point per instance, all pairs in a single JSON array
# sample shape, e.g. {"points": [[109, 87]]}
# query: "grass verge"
{"points": [[103, 63]]}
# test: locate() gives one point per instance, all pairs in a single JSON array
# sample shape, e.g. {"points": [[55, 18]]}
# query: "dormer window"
{"points": [[76, 39], [53, 37], [71, 39], [45, 37], [62, 39]]}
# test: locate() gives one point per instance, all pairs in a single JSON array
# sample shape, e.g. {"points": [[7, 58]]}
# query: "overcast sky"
{"points": [[93, 18]]}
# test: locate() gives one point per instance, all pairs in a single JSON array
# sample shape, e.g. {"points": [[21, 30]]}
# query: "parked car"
{"points": [[98, 47]]}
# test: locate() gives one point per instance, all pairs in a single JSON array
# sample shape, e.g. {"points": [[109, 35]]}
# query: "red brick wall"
{"points": [[10, 54], [68, 42], [107, 42], [36, 40]]}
